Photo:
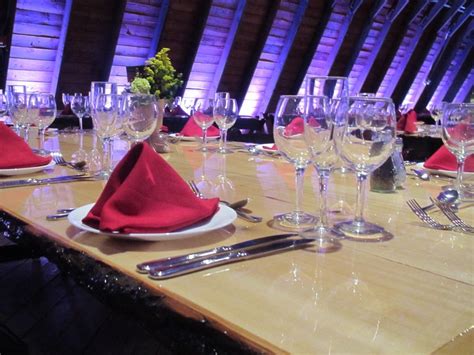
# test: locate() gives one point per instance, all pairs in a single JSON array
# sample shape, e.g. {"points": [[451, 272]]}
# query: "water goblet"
{"points": [[105, 115], [18, 108], [141, 116], [436, 112], [288, 132], [225, 114], [203, 116], [364, 142], [458, 136], [101, 87], [42, 112], [79, 106], [324, 108]]}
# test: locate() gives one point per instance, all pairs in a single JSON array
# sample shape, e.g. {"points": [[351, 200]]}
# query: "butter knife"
{"points": [[53, 180], [187, 258], [227, 258]]}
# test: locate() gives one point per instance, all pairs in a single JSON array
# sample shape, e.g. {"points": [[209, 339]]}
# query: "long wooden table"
{"points": [[411, 294]]}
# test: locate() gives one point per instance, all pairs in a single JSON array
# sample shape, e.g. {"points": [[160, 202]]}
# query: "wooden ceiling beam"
{"points": [[391, 17], [465, 93], [442, 63], [315, 40], [288, 42], [250, 69], [374, 10], [61, 44], [7, 15], [378, 71], [464, 70], [160, 23], [397, 88]]}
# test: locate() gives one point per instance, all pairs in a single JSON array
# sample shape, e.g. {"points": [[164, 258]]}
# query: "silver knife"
{"points": [[187, 258], [34, 181], [228, 258]]}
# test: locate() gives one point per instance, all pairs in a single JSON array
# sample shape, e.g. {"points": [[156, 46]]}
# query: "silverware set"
{"points": [[188, 263], [457, 223]]}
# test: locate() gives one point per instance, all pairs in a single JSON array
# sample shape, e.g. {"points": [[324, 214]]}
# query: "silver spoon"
{"points": [[422, 174], [447, 197]]}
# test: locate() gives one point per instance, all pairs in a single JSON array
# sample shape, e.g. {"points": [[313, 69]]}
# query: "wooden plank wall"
{"points": [[34, 43]]}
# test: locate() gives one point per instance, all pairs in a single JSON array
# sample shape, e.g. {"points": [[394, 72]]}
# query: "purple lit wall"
{"points": [[37, 43]]}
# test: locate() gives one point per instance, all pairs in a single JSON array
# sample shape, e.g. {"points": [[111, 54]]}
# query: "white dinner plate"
{"points": [[192, 139], [223, 217], [24, 171], [450, 173], [267, 148]]}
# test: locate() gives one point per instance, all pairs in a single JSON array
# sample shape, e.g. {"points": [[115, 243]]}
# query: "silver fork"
{"points": [[421, 214], [453, 217], [59, 159], [241, 214]]}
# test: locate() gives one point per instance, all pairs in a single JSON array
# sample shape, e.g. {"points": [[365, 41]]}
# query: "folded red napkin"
{"points": [[15, 153], [272, 147], [146, 195], [407, 122], [295, 127], [164, 129], [191, 129], [443, 159]]}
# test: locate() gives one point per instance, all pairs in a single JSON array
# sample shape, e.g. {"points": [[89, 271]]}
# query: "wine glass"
{"points": [[66, 99], [458, 136], [325, 107], [18, 107], [79, 106], [436, 112], [188, 104], [105, 115], [101, 87], [3, 105], [42, 111], [141, 116], [203, 116], [288, 134], [225, 114], [364, 142]]}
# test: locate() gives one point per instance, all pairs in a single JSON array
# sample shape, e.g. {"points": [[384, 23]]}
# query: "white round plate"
{"points": [[223, 217], [267, 148], [24, 171], [192, 139], [450, 173]]}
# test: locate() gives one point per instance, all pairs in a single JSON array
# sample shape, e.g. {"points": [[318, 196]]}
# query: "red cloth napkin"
{"points": [[146, 195], [272, 147], [295, 127], [191, 129], [15, 153], [407, 122], [443, 159]]}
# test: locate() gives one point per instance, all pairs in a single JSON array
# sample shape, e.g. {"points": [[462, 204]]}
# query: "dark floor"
{"points": [[50, 314]]}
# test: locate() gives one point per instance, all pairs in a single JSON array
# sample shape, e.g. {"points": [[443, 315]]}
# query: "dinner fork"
{"points": [[241, 214], [423, 216], [59, 159], [453, 217]]}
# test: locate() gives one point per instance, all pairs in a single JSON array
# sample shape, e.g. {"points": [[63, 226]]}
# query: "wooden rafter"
{"points": [[374, 10], [398, 87], [288, 42], [6, 29], [60, 49], [442, 63], [378, 72], [391, 17], [269, 17], [227, 47], [165, 4], [465, 93], [464, 70], [315, 40]]}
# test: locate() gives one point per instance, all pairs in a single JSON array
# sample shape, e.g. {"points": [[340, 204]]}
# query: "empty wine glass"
{"points": [[458, 136], [325, 106], [141, 116], [18, 107], [101, 87], [436, 112], [288, 134], [203, 116], [66, 99], [364, 142], [188, 104], [3, 105], [42, 112], [225, 114], [105, 115], [79, 106]]}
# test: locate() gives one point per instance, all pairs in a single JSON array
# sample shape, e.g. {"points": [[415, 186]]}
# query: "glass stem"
{"points": [[323, 188], [204, 138], [460, 172], [223, 142], [110, 143], [105, 154], [41, 133], [25, 132], [361, 196], [80, 122], [299, 179]]}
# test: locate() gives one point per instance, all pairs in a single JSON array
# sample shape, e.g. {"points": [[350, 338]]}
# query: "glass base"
{"points": [[295, 221], [326, 238], [225, 151], [104, 175], [362, 231]]}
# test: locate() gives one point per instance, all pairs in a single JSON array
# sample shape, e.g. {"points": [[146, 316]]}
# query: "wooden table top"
{"points": [[411, 294]]}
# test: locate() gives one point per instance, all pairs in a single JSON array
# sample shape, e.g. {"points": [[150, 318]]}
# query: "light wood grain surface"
{"points": [[411, 294]]}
